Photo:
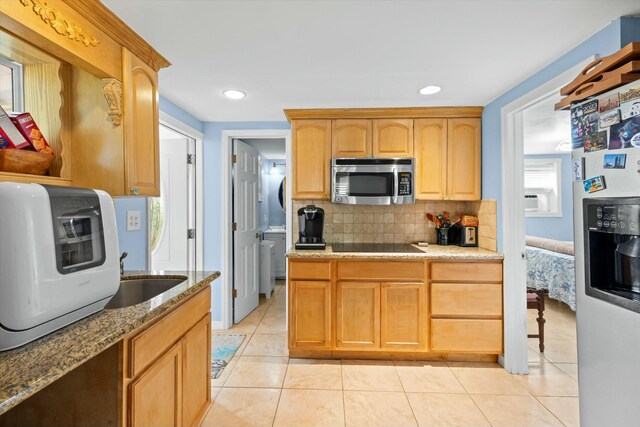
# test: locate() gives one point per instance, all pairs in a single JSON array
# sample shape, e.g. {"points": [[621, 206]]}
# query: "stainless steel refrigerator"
{"points": [[606, 196]]}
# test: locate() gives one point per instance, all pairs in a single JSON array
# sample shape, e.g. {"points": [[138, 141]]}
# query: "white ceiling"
{"points": [[271, 148], [544, 128], [355, 53]]}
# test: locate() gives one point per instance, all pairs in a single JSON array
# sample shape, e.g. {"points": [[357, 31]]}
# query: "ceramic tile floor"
{"points": [[261, 386]]}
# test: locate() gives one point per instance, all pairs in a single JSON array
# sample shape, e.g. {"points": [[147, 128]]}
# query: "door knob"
{"points": [[135, 191]]}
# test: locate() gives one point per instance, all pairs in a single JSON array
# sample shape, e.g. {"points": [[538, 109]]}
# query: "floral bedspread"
{"points": [[554, 272]]}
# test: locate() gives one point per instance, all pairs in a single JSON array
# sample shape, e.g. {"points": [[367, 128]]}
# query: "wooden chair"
{"points": [[535, 300]]}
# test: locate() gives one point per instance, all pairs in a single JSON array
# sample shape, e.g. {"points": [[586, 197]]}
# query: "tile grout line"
{"points": [[415, 418], [548, 409]]}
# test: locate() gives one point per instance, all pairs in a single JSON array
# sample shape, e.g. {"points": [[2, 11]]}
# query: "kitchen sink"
{"points": [[135, 291]]}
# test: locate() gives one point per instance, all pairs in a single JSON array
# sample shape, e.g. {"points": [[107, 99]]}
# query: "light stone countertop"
{"points": [[27, 369], [432, 251]]}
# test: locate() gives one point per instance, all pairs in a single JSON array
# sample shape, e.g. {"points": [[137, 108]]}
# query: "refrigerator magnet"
{"points": [[594, 184], [615, 161], [577, 168], [608, 103], [609, 118]]}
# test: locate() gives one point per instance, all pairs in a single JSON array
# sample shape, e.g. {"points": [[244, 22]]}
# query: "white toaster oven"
{"points": [[58, 258]]}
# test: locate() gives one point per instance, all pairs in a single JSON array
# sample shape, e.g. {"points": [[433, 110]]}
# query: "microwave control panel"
{"points": [[404, 184], [618, 219]]}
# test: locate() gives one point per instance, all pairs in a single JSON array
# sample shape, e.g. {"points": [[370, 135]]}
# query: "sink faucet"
{"points": [[122, 257]]}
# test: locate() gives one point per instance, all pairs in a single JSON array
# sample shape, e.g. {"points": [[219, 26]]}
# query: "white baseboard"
{"points": [[216, 325]]}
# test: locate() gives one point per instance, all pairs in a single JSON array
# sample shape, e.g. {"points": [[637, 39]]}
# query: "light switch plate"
{"points": [[133, 220]]}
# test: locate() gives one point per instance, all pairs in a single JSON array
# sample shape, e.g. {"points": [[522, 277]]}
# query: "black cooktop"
{"points": [[375, 247]]}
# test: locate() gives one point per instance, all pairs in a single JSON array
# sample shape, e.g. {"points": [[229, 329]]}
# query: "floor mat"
{"points": [[223, 347]]}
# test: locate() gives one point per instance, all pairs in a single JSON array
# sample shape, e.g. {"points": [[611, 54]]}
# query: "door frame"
{"points": [[227, 241], [515, 357], [183, 128]]}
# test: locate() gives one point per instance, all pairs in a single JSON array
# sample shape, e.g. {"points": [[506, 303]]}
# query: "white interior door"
{"points": [[170, 212], [246, 235]]}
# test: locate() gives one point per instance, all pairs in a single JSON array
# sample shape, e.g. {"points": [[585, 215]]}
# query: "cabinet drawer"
{"points": [[146, 346], [467, 271], [381, 270], [310, 270], [466, 299], [466, 335]]}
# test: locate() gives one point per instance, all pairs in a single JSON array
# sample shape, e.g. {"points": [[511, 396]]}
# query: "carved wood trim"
{"points": [[105, 20], [113, 94], [60, 23], [380, 113]]}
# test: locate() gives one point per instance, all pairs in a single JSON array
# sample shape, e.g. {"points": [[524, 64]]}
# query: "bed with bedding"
{"points": [[551, 266]]}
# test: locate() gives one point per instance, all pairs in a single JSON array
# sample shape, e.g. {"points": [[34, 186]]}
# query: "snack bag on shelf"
{"points": [[31, 131], [10, 135]]}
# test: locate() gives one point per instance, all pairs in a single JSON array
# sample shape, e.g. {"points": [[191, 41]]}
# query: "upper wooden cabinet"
{"points": [[464, 159], [351, 138], [311, 156], [431, 158], [141, 127], [448, 157], [97, 93], [393, 138], [445, 141]]}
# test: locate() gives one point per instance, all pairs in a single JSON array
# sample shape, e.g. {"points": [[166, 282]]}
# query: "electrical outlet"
{"points": [[133, 220]]}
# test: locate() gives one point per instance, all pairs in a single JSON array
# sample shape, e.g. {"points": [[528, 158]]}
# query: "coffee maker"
{"points": [[310, 226]]}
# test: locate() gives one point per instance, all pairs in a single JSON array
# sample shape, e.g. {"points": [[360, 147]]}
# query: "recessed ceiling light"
{"points": [[430, 90], [234, 94]]}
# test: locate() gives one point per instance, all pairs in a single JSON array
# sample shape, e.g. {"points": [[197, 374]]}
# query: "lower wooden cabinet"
{"points": [[388, 308], [466, 335], [156, 395], [310, 314], [402, 324], [173, 386], [357, 315], [196, 372]]}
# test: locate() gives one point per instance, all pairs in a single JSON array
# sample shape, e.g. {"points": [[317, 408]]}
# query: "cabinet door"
{"points": [[403, 315], [311, 159], [393, 138], [140, 94], [351, 138], [196, 374], [156, 395], [430, 146], [310, 314], [463, 159], [358, 315]]}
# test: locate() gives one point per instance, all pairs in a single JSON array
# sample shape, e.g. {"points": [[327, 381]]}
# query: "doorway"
{"points": [[515, 358], [174, 238], [240, 241]]}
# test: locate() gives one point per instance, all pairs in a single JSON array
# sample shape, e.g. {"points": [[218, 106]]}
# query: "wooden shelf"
{"points": [[37, 179]]}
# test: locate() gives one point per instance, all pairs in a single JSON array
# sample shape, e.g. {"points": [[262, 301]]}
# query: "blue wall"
{"points": [[603, 43], [557, 228], [178, 113], [213, 208], [135, 242]]}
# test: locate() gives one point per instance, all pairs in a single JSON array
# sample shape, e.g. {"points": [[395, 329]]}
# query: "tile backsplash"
{"points": [[397, 223]]}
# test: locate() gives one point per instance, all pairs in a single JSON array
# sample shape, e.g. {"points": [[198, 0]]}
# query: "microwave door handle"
{"points": [[396, 185]]}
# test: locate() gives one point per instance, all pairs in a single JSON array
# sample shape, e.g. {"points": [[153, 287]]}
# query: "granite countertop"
{"points": [[27, 369], [432, 251]]}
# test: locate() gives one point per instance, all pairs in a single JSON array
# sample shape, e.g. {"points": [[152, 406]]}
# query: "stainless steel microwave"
{"points": [[359, 181]]}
